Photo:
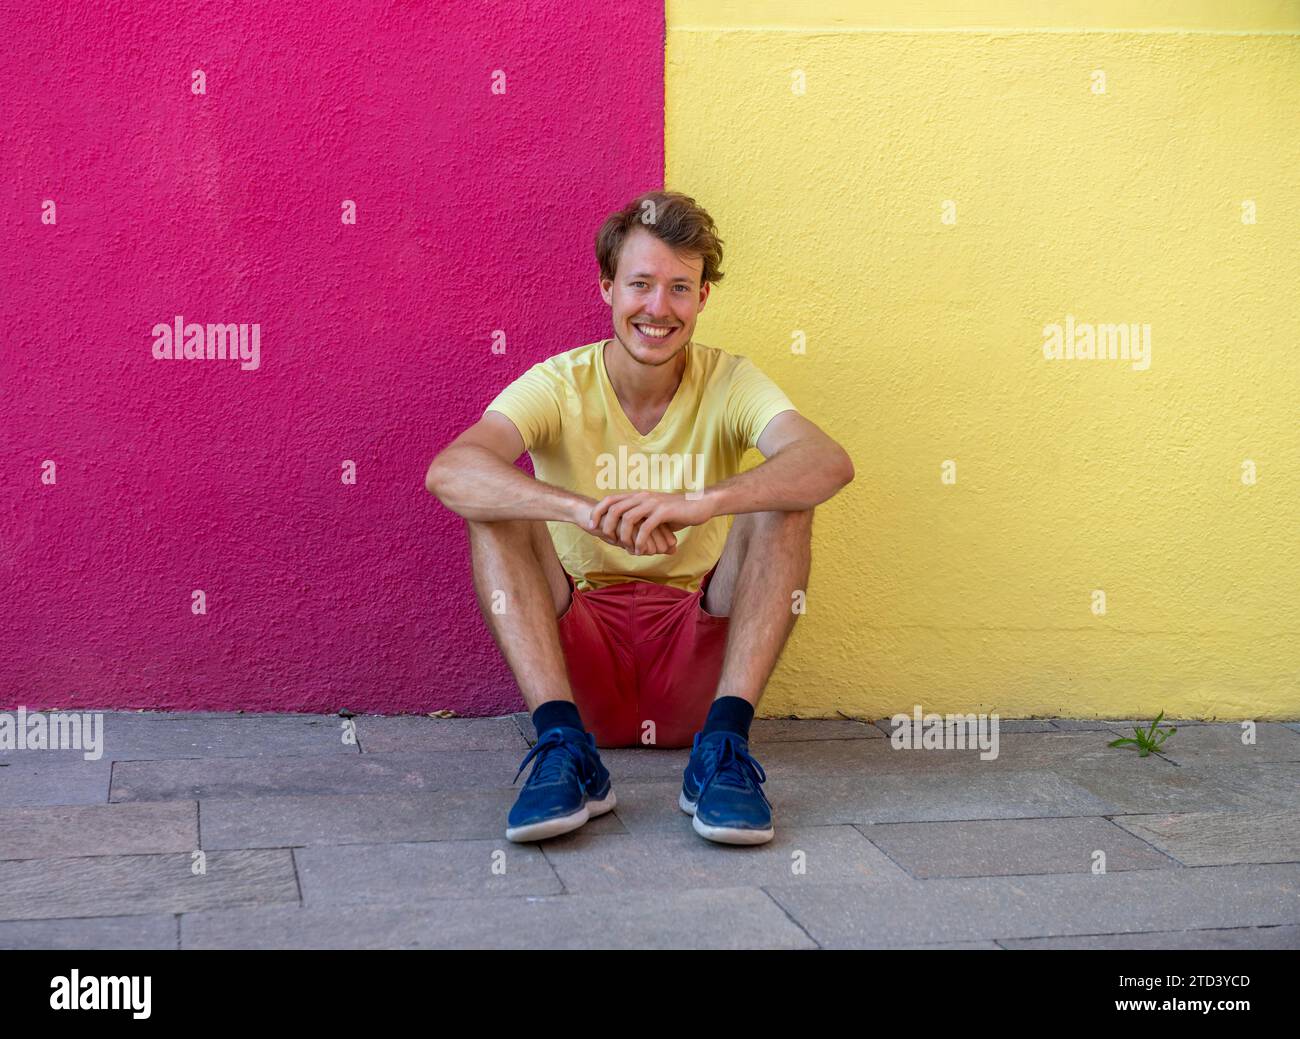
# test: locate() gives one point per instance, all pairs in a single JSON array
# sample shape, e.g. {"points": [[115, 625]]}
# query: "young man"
{"points": [[610, 581]]}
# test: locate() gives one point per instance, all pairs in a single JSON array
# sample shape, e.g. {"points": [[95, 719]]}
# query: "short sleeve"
{"points": [[753, 400], [533, 403]]}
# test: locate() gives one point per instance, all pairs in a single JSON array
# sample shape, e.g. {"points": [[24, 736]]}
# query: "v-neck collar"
{"points": [[670, 411]]}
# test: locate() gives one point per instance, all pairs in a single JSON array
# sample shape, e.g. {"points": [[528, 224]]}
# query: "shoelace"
{"points": [[730, 759], [581, 758]]}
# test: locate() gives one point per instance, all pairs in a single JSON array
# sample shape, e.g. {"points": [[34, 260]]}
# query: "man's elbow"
{"points": [[436, 477], [843, 467]]}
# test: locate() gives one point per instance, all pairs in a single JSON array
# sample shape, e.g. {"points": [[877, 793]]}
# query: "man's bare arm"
{"points": [[476, 478], [804, 468]]}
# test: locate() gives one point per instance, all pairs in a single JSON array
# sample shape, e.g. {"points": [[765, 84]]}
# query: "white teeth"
{"points": [[653, 332]]}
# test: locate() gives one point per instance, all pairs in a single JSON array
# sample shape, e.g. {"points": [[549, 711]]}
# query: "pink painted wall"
{"points": [[475, 212]]}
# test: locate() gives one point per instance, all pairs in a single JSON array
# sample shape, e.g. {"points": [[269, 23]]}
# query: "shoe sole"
{"points": [[562, 824], [723, 834]]}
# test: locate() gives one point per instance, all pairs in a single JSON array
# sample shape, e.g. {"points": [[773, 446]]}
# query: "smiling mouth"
{"points": [[656, 333]]}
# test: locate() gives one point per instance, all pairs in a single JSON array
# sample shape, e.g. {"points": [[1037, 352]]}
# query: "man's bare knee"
{"points": [[532, 537], [785, 516], [535, 532], [506, 528], [773, 520]]}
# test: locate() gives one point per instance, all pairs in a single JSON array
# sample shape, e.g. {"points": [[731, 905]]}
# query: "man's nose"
{"points": [[657, 305]]}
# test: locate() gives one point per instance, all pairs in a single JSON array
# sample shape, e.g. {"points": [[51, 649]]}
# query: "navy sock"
{"points": [[554, 713], [729, 714]]}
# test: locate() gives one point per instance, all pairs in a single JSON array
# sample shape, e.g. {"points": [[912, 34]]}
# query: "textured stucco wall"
{"points": [[925, 339], [475, 212]]}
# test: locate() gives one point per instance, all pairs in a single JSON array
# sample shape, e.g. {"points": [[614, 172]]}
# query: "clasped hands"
{"points": [[642, 523]]}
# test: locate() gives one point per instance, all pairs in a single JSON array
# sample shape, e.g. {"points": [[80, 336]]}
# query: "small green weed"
{"points": [[1147, 741]]}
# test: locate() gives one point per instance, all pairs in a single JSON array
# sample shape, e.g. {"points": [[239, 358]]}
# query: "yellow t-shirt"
{"points": [[579, 438]]}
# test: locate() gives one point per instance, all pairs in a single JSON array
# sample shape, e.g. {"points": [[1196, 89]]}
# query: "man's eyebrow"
{"points": [[647, 274]]}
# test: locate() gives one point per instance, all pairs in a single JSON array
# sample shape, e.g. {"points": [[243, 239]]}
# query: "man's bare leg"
{"points": [[516, 568], [767, 558]]}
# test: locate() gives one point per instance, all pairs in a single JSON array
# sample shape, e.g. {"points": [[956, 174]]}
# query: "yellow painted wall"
{"points": [[925, 339]]}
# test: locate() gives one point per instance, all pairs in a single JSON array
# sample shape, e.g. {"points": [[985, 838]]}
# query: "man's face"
{"points": [[654, 287]]}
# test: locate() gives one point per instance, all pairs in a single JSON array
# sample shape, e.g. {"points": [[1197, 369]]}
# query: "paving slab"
{"points": [[204, 778], [1012, 847], [421, 733], [777, 730], [865, 915], [886, 725], [1082, 724], [766, 730], [524, 722], [588, 864], [1128, 724], [1270, 784], [1222, 745], [117, 885], [961, 946], [1155, 787], [645, 806], [1015, 751], [153, 931], [1283, 937], [406, 873], [64, 831], [638, 763], [34, 777], [1221, 838], [721, 918], [153, 735], [282, 822]]}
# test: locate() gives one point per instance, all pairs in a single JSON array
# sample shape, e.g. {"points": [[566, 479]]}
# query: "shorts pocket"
{"points": [[573, 598], [704, 614]]}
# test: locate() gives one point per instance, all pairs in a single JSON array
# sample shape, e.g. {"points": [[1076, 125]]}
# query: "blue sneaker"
{"points": [[568, 786], [721, 789]]}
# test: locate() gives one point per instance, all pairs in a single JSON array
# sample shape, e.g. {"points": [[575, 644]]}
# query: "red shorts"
{"points": [[642, 652]]}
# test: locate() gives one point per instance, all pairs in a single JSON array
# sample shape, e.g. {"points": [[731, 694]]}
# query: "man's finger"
{"points": [[625, 530], [638, 533], [612, 515], [642, 532], [598, 510], [653, 518], [647, 523], [650, 541], [632, 526]]}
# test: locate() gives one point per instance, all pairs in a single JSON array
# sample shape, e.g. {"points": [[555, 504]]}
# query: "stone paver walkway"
{"points": [[221, 830]]}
